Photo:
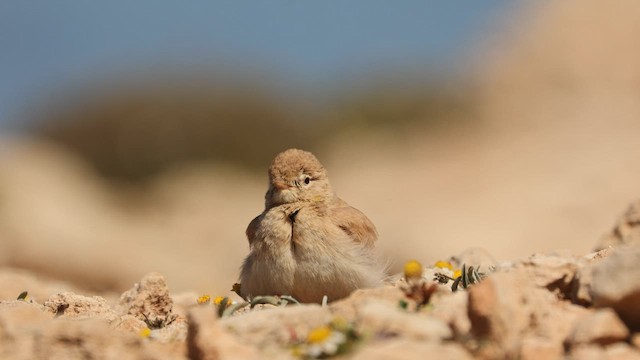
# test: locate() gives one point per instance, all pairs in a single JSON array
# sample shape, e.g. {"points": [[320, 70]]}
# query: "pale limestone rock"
{"points": [[507, 306]]}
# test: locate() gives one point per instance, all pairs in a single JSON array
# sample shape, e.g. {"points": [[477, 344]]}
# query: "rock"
{"points": [[626, 230], [15, 316], [616, 284], [149, 301], [618, 351], [348, 307], [22, 313], [452, 310], [402, 348], [31, 331], [537, 348], [635, 340], [622, 351], [89, 339], [390, 320], [130, 324], [207, 340], [279, 325], [176, 331], [590, 352], [553, 272], [601, 327], [507, 306], [70, 305], [581, 289]]}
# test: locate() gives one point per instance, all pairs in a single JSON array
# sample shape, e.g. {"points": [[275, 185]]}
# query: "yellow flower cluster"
{"points": [[204, 299], [447, 265]]}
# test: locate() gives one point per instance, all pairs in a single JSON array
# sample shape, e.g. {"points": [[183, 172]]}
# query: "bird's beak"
{"points": [[280, 185]]}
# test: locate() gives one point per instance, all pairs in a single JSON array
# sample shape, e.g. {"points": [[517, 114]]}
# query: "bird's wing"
{"points": [[252, 228], [353, 222]]}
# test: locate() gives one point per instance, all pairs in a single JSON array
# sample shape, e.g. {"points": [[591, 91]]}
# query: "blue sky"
{"points": [[47, 45]]}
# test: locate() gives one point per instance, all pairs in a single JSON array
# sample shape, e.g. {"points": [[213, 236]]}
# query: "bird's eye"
{"points": [[307, 180]]}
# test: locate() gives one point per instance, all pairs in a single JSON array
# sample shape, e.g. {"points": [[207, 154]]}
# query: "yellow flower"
{"points": [[218, 300], [457, 273], [318, 335], [145, 333], [323, 341], [443, 265], [412, 269], [204, 299]]}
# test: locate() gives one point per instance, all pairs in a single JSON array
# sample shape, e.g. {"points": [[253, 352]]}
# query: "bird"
{"points": [[308, 243]]}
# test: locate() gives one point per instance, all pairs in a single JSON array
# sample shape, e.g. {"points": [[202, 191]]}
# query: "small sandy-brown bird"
{"points": [[308, 242]]}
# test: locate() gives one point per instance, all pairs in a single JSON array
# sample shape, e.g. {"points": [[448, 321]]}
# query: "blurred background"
{"points": [[137, 138]]}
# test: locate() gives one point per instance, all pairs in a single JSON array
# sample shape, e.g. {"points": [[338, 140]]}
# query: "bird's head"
{"points": [[296, 175]]}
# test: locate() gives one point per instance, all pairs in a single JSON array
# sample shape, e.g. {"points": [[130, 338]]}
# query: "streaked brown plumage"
{"points": [[308, 242]]}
